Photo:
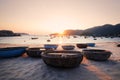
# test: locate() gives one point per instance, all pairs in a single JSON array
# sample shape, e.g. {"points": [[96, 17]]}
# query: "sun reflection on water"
{"points": [[60, 40]]}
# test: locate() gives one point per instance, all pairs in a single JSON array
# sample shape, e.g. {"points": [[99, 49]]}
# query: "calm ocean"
{"points": [[57, 40]]}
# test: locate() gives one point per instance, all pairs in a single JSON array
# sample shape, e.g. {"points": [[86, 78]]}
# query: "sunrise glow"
{"points": [[49, 16]]}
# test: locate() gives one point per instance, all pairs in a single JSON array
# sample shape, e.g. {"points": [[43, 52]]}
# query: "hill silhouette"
{"points": [[7, 33], [104, 30]]}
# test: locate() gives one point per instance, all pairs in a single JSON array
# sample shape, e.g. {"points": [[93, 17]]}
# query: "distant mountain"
{"points": [[104, 30], [7, 33], [73, 32]]}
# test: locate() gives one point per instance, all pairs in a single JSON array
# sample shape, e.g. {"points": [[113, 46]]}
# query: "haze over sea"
{"points": [[42, 39]]}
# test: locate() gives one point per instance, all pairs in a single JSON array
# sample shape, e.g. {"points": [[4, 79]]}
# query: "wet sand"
{"points": [[27, 68]]}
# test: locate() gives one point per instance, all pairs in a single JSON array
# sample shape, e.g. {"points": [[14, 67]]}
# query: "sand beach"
{"points": [[27, 68], [86, 34]]}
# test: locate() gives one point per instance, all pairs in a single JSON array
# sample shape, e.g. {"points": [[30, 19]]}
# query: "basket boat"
{"points": [[12, 52], [68, 47], [50, 46], [97, 54], [81, 45], [91, 44], [35, 52], [64, 59]]}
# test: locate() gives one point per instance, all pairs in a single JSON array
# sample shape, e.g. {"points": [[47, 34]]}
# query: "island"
{"points": [[9, 33]]}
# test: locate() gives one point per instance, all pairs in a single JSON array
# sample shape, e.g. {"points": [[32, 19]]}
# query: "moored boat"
{"points": [[35, 51], [96, 54], [50, 46], [12, 52], [91, 44], [81, 45], [34, 38], [68, 47], [64, 59], [48, 40]]}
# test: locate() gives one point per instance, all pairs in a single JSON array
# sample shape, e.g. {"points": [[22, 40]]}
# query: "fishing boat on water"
{"points": [[12, 52], [34, 38]]}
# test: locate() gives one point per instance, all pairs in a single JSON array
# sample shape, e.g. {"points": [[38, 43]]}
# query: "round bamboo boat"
{"points": [[10, 52], [96, 54], [81, 45], [91, 44], [35, 52], [50, 46], [68, 47], [64, 59]]}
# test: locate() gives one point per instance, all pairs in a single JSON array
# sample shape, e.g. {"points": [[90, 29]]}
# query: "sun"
{"points": [[61, 32]]}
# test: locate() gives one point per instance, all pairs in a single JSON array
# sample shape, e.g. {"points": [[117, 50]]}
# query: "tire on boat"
{"points": [[96, 54], [63, 59]]}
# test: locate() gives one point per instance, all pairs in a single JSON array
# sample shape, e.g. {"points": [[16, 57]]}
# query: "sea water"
{"points": [[42, 39], [27, 68]]}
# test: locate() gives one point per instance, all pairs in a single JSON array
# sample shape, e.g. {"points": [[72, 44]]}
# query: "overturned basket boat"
{"points": [[50, 46], [96, 54], [68, 47], [12, 52], [35, 52], [81, 45], [64, 59]]}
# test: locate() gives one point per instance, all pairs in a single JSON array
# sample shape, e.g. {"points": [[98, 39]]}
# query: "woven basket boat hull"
{"points": [[50, 46], [68, 47], [63, 61], [34, 52], [98, 55], [9, 52], [81, 45], [91, 44]]}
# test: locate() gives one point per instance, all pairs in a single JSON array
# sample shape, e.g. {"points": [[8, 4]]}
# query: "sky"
{"points": [[50, 16]]}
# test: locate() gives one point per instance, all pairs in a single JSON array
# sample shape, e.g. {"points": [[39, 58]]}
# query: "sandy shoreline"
{"points": [[26, 68]]}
